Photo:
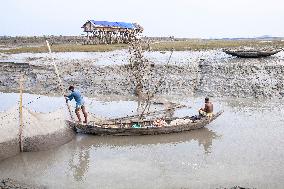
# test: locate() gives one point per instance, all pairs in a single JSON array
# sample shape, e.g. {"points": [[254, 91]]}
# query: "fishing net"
{"points": [[9, 124], [39, 130], [43, 123]]}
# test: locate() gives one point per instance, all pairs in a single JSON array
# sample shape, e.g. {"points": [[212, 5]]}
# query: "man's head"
{"points": [[71, 88], [206, 99]]}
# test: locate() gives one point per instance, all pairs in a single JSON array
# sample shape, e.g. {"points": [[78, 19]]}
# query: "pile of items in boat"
{"points": [[163, 123]]}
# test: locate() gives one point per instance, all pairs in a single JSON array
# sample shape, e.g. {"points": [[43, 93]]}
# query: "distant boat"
{"points": [[251, 53]]}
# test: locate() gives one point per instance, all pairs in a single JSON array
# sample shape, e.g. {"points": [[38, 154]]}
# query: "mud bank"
{"points": [[12, 184], [260, 78], [209, 73]]}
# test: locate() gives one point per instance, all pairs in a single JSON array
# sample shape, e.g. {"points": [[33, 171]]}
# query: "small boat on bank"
{"points": [[250, 53], [145, 127]]}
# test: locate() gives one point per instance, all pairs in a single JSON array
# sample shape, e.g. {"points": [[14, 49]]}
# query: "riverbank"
{"points": [[210, 73], [13, 184]]}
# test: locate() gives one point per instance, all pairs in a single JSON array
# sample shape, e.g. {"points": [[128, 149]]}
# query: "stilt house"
{"points": [[104, 32]]}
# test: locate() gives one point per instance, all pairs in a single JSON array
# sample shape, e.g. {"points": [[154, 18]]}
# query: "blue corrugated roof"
{"points": [[114, 24]]}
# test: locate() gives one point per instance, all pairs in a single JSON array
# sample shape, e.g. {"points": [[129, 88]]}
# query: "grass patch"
{"points": [[196, 45], [185, 45], [65, 48]]}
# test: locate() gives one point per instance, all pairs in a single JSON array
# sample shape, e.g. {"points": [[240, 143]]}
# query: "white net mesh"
{"points": [[9, 124], [40, 130], [43, 123]]}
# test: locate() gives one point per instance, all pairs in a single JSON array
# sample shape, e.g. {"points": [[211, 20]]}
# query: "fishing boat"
{"points": [[250, 53], [145, 127]]}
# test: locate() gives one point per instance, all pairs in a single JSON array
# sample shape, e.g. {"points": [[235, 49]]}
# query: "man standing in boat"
{"points": [[80, 103], [207, 110]]}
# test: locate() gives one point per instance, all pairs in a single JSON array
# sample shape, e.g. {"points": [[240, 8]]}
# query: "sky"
{"points": [[179, 18]]}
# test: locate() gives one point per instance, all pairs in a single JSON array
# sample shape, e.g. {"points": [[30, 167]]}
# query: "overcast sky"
{"points": [[179, 18]]}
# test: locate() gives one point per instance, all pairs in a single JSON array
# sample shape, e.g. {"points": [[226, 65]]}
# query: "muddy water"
{"points": [[242, 147]]}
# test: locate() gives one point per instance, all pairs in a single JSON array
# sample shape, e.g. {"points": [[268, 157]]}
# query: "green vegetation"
{"points": [[182, 45], [65, 48], [196, 45]]}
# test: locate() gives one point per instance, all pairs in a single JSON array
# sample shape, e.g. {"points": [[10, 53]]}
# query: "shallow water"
{"points": [[120, 57], [242, 147]]}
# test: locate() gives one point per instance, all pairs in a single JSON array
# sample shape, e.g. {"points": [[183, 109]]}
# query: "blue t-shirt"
{"points": [[77, 97]]}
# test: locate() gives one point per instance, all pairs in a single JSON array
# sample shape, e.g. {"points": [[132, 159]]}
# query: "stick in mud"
{"points": [[21, 115]]}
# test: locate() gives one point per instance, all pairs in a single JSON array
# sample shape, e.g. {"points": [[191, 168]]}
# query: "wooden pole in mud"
{"points": [[60, 82], [21, 114]]}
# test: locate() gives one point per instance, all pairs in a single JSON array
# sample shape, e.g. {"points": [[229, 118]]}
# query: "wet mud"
{"points": [[212, 74], [13, 184]]}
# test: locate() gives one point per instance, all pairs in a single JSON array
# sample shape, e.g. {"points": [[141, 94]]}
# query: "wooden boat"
{"points": [[251, 53], [125, 128]]}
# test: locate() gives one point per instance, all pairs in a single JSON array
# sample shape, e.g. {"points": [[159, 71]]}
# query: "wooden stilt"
{"points": [[21, 115]]}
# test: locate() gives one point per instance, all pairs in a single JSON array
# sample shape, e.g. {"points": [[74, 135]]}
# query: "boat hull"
{"points": [[250, 54], [96, 130]]}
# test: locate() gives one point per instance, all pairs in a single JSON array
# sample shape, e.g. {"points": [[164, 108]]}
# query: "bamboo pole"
{"points": [[149, 113], [21, 114], [60, 81]]}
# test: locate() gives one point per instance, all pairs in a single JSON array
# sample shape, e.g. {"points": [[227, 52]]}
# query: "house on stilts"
{"points": [[104, 32]]}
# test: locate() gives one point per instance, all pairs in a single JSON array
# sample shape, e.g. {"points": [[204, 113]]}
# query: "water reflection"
{"points": [[203, 136], [80, 159], [79, 164]]}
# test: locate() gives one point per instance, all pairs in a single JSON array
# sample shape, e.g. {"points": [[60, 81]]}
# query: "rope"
{"points": [[32, 101]]}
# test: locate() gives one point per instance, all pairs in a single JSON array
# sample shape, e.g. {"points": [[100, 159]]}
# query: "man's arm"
{"points": [[69, 97]]}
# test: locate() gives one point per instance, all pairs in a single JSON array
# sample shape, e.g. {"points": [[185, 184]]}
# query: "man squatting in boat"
{"points": [[80, 103], [207, 110]]}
